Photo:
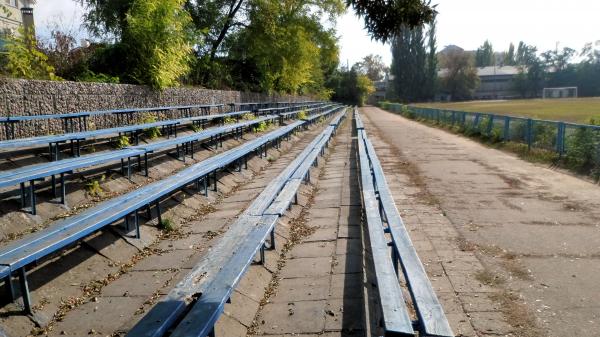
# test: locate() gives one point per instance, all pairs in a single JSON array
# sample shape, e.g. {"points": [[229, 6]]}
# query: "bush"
{"points": [[90, 76], [248, 116], [93, 187], [261, 127], [157, 35], [166, 225], [407, 112], [302, 114], [195, 128], [153, 132], [122, 142], [544, 135], [24, 59], [582, 151], [229, 120]]}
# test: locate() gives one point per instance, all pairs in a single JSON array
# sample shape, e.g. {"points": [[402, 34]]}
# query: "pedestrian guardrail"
{"points": [[555, 136]]}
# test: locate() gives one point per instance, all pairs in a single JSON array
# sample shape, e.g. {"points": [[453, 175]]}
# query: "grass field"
{"points": [[578, 110]]}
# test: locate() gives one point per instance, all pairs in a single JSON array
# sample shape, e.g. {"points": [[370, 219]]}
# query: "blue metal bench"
{"points": [[224, 268], [122, 115], [380, 208], [61, 168], [17, 255], [134, 130]]}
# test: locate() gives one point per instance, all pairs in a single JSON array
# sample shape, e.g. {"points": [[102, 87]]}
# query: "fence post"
{"points": [[476, 121], [506, 136], [560, 138], [490, 125], [529, 133]]}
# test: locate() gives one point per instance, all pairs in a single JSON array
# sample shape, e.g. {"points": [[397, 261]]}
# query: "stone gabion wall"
{"points": [[32, 97]]}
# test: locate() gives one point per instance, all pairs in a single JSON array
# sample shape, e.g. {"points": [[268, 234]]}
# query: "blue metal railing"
{"points": [[556, 136]]}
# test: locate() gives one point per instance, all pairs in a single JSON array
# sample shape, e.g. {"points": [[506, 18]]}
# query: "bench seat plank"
{"points": [[430, 311], [395, 313]]}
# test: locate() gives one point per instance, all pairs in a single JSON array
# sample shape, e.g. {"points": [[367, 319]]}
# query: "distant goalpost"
{"points": [[560, 92]]}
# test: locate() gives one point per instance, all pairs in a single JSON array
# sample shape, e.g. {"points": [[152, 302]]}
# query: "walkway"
{"points": [[534, 231]]}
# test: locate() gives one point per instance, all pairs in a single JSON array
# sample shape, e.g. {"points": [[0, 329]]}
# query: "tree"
{"points": [[460, 79], [409, 62], [157, 36], [525, 54], [24, 58], [373, 67], [106, 18], [351, 87], [484, 56], [285, 48], [509, 58], [558, 60], [432, 61], [384, 19]]}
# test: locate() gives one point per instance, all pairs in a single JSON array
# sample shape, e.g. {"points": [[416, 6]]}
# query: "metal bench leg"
{"points": [[22, 195], [32, 196], [215, 180], [262, 254], [129, 168], [272, 247], [63, 189], [127, 226], [205, 185], [25, 291], [158, 214], [137, 224], [10, 290], [53, 179], [146, 164]]}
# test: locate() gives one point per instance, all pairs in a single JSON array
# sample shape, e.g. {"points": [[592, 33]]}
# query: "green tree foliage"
{"points": [[351, 87], [409, 62], [384, 19], [373, 67], [285, 47], [460, 79], [432, 61], [558, 60], [509, 57], [525, 54], [157, 34], [484, 56], [24, 58], [106, 18]]}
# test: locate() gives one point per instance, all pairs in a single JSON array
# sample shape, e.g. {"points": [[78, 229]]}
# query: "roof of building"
{"points": [[496, 70], [491, 71]]}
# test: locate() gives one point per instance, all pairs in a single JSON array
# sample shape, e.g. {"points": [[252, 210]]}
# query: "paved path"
{"points": [[320, 282], [535, 231]]}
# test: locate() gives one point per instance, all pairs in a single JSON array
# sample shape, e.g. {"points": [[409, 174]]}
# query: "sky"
{"points": [[466, 23]]}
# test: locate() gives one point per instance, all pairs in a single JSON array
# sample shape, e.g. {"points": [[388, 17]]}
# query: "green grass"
{"points": [[578, 110]]}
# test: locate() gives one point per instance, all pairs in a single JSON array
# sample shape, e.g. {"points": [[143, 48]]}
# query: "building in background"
{"points": [[496, 82], [13, 14]]}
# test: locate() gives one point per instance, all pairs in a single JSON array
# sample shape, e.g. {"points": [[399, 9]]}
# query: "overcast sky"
{"points": [[466, 23]]}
